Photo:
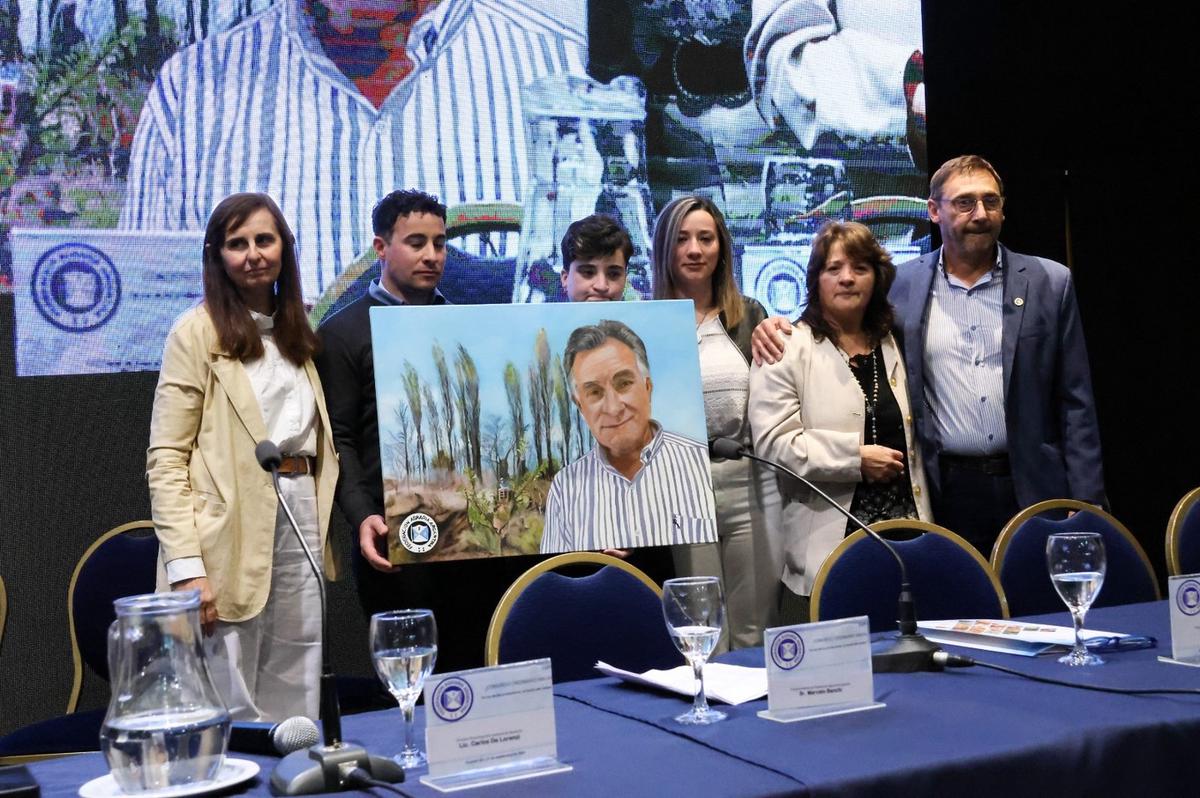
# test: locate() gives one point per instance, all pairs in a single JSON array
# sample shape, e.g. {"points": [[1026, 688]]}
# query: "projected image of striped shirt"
{"points": [[592, 506], [261, 107]]}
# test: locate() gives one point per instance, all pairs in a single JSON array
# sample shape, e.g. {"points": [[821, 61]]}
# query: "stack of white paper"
{"points": [[729, 684]]}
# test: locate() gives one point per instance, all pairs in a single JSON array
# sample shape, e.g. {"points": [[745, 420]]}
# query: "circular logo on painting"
{"points": [[787, 650], [75, 287], [1188, 597], [418, 533], [452, 699]]}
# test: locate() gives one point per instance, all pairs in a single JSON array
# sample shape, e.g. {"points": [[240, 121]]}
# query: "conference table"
{"points": [[968, 731]]}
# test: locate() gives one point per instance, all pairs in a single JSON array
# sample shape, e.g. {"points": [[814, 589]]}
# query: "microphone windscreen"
{"points": [[294, 734], [725, 449], [268, 456]]}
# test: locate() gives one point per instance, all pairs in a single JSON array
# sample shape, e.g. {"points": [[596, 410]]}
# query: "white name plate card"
{"points": [[490, 725], [819, 669], [1183, 594]]}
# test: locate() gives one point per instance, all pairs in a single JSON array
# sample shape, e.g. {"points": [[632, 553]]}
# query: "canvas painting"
{"points": [[526, 429]]}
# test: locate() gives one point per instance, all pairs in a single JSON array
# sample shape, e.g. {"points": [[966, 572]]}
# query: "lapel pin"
{"points": [[1019, 301]]}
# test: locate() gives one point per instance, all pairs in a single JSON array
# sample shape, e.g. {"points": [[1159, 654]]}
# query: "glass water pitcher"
{"points": [[166, 724]]}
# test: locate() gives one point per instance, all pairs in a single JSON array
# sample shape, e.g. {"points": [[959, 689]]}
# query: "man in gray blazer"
{"points": [[997, 365]]}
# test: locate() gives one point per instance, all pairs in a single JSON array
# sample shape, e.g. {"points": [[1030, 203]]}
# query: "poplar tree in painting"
{"points": [[562, 400], [434, 418], [412, 390], [468, 402], [541, 351], [446, 389], [583, 435], [401, 438], [537, 411], [516, 415], [495, 443]]}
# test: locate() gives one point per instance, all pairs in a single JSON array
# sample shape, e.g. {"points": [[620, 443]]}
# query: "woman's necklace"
{"points": [[872, 401]]}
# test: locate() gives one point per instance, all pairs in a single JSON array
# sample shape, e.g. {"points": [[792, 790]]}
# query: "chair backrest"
{"points": [[122, 562], [1019, 557], [950, 579], [1183, 536], [614, 614]]}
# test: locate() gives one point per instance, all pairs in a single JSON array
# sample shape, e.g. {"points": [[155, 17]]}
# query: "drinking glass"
{"points": [[1077, 563], [694, 612], [404, 648]]}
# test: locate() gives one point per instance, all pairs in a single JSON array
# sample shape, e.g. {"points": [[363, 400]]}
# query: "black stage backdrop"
{"points": [[1081, 114]]}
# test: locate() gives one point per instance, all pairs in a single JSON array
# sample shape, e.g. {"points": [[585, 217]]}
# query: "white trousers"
{"points": [[268, 668], [748, 556]]}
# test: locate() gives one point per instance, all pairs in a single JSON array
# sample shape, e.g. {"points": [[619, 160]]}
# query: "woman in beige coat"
{"points": [[238, 370], [835, 409]]}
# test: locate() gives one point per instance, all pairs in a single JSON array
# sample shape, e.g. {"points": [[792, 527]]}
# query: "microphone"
{"points": [[336, 765], [273, 739], [268, 456], [911, 652]]}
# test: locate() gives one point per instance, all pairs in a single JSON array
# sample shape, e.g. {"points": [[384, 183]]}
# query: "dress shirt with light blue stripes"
{"points": [[593, 506], [261, 108], [964, 362]]}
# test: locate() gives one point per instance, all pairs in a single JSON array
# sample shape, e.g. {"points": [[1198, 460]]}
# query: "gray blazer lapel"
{"points": [[232, 376], [1016, 297]]}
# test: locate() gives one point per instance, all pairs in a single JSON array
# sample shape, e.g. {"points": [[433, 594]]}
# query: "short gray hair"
{"points": [[593, 336]]}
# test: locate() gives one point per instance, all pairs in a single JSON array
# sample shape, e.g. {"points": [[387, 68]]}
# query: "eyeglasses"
{"points": [[966, 204], [1127, 643]]}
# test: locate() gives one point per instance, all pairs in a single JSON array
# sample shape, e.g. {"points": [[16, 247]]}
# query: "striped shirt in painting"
{"points": [[964, 363], [261, 108], [593, 506]]}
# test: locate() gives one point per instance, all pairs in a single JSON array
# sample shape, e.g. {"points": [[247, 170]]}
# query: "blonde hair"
{"points": [[666, 230]]}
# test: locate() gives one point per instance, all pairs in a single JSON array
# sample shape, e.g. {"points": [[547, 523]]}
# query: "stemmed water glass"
{"points": [[1077, 565], [694, 611], [404, 648]]}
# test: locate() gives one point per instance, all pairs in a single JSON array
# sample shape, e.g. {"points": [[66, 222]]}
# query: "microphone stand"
{"points": [[910, 651], [321, 768]]}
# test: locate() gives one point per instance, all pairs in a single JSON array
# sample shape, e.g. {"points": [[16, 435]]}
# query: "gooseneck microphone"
{"points": [[336, 765], [910, 652]]}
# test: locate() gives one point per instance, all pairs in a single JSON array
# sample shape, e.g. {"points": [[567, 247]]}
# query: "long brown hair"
{"points": [[859, 245], [236, 330], [666, 229]]}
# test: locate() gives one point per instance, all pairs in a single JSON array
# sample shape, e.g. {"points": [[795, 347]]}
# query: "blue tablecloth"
{"points": [[971, 731]]}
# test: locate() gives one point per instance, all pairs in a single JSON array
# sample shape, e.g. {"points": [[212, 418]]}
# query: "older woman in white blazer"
{"points": [[835, 409]]}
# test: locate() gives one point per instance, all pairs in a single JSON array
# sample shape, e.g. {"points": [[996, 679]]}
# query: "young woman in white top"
{"points": [[693, 259]]}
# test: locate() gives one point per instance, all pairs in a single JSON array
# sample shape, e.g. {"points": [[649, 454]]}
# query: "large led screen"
{"points": [[123, 122]]}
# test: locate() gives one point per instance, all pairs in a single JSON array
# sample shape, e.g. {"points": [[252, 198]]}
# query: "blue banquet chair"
{"points": [[121, 562], [614, 614], [1183, 536], [950, 579], [1019, 557]]}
